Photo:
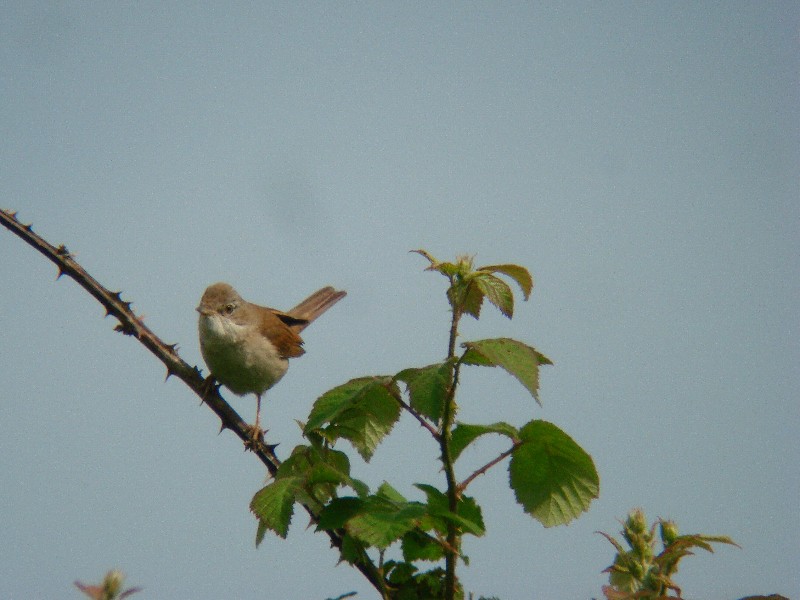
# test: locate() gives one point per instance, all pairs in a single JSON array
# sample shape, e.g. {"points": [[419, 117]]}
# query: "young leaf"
{"points": [[445, 268], [465, 296], [518, 359], [519, 274], [273, 505], [553, 478], [427, 388], [464, 434], [363, 411], [496, 291]]}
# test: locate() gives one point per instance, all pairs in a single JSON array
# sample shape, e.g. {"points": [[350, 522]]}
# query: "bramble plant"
{"points": [[640, 573], [552, 477]]}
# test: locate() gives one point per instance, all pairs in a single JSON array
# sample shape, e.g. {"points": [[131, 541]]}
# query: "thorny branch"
{"points": [[132, 325], [499, 458]]}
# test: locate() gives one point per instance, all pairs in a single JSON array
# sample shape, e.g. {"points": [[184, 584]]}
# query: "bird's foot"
{"points": [[209, 385], [255, 439]]}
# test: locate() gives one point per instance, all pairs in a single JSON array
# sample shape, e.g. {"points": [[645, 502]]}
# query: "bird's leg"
{"points": [[257, 426], [256, 434]]}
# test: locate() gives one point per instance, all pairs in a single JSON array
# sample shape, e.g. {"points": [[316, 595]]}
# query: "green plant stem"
{"points": [[451, 555]]}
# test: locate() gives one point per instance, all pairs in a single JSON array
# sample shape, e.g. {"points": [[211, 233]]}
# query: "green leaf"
{"points": [[465, 296], [321, 470], [338, 511], [445, 268], [352, 551], [427, 388], [496, 291], [469, 510], [380, 522], [437, 501], [519, 274], [518, 359], [274, 504], [261, 532], [464, 434], [468, 514], [363, 411], [418, 545], [553, 478], [389, 493], [333, 402]]}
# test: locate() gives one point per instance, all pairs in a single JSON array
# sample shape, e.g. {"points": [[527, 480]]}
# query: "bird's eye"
{"points": [[229, 308]]}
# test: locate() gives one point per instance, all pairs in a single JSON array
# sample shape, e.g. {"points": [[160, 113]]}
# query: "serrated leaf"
{"points": [[352, 551], [472, 515], [437, 500], [338, 511], [464, 434], [519, 274], [468, 514], [496, 291], [553, 478], [427, 388], [321, 469], [386, 491], [363, 411], [335, 401], [464, 296], [380, 523], [261, 532], [418, 545], [518, 359], [273, 504]]}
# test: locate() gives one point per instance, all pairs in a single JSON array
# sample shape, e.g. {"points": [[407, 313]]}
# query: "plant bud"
{"points": [[112, 584], [669, 532]]}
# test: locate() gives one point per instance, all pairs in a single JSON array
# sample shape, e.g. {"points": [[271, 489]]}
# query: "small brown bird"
{"points": [[247, 346]]}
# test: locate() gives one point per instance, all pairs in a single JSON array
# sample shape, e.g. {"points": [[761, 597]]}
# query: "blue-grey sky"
{"points": [[640, 158]]}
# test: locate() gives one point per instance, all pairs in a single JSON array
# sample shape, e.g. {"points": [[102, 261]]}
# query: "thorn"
{"points": [[28, 227], [117, 295], [169, 374], [125, 329], [222, 428], [271, 447]]}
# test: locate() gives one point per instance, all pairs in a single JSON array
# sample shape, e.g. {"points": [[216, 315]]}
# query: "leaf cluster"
{"points": [[470, 286], [551, 476]]}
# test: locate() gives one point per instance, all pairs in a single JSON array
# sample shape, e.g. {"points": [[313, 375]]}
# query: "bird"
{"points": [[247, 347]]}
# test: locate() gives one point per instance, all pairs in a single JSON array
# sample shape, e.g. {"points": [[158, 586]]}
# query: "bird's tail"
{"points": [[313, 306]]}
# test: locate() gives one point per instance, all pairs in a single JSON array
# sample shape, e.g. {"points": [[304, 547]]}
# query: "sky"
{"points": [[639, 158]]}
